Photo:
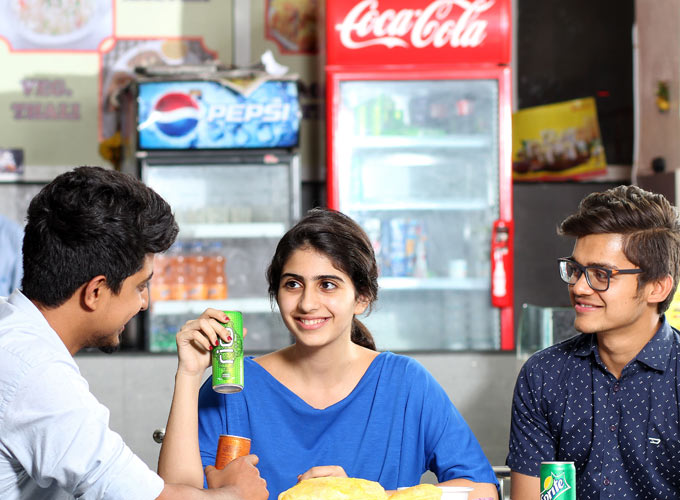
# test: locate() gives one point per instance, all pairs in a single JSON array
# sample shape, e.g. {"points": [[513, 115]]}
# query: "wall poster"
{"points": [[289, 29], [557, 142]]}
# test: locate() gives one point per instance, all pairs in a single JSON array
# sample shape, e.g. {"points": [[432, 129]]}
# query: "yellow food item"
{"points": [[335, 488], [418, 492]]}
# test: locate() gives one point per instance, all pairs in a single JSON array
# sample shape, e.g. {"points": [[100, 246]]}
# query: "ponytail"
{"points": [[361, 335]]}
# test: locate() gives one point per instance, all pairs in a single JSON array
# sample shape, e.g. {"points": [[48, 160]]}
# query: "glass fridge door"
{"points": [[231, 217], [417, 165]]}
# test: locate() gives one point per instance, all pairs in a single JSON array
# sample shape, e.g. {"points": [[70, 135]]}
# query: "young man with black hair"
{"points": [[609, 398], [88, 251]]}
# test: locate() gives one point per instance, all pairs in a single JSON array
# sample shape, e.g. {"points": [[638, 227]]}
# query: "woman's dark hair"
{"points": [[347, 246], [87, 222], [649, 225]]}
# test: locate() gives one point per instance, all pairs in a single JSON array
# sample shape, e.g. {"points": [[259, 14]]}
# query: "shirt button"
{"points": [[612, 427], [617, 387], [606, 482]]}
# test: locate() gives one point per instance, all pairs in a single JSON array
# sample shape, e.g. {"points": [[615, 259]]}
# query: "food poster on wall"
{"points": [[289, 28], [557, 142], [63, 61], [673, 312]]}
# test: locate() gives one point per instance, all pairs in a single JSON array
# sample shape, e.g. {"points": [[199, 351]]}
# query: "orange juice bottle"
{"points": [[197, 287], [178, 279], [159, 288], [217, 279]]}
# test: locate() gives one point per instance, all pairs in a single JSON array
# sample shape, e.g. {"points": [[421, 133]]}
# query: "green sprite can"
{"points": [[558, 480], [227, 357]]}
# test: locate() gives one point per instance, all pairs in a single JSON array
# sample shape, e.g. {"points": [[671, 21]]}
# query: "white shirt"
{"points": [[55, 441]]}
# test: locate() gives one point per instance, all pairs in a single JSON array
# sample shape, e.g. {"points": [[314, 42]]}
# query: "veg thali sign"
{"points": [[64, 60]]}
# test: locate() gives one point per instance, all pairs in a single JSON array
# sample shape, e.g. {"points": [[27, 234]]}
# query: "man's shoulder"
{"points": [[557, 354], [25, 344]]}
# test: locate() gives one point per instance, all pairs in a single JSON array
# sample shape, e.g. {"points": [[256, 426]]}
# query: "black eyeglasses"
{"points": [[598, 278]]}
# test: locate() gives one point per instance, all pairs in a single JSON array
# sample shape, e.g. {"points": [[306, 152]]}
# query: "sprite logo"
{"points": [[554, 486]]}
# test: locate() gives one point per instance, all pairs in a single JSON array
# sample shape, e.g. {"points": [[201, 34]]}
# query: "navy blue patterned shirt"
{"points": [[622, 435]]}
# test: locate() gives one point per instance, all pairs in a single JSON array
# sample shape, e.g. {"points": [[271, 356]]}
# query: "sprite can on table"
{"points": [[558, 481], [227, 357]]}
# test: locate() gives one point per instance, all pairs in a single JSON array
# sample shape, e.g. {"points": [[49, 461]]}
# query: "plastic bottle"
{"points": [[197, 288], [421, 255], [159, 288], [178, 284], [216, 279]]}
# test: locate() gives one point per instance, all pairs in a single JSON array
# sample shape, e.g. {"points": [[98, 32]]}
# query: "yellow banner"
{"points": [[557, 142], [673, 312]]}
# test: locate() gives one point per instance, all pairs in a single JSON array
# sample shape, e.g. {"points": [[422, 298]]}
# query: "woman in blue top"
{"points": [[329, 404]]}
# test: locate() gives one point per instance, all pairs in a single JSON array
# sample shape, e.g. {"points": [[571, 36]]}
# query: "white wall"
{"points": [[658, 59]]}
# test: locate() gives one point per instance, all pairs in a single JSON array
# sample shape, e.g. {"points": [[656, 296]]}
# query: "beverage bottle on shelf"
{"points": [[361, 119], [420, 270], [411, 240], [398, 260], [178, 279], [385, 249], [372, 227], [216, 278], [197, 288], [159, 288]]}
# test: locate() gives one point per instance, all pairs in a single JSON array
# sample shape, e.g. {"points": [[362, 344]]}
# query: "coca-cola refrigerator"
{"points": [[419, 153]]}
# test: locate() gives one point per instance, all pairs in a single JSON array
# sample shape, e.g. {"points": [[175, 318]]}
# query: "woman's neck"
{"points": [[322, 377]]}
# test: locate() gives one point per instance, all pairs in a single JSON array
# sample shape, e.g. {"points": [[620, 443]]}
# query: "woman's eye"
{"points": [[328, 285], [291, 284]]}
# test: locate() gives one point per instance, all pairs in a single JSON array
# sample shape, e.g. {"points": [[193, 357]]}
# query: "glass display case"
{"points": [[221, 146], [417, 163], [420, 173], [232, 210]]}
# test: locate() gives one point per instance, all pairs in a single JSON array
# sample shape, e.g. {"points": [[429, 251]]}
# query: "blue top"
{"points": [[11, 239], [623, 435], [397, 423]]}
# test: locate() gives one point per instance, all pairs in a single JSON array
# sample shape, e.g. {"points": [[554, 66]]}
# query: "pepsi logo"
{"points": [[175, 114]]}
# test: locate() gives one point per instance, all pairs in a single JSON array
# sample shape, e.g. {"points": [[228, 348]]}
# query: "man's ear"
{"points": [[660, 289], [93, 292]]}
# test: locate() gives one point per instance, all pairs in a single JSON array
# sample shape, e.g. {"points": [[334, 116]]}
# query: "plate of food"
{"points": [[292, 24], [55, 23]]}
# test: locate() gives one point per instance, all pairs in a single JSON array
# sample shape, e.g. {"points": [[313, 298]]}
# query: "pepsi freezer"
{"points": [[222, 149]]}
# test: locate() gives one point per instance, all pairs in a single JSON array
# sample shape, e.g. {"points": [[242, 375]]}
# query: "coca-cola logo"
{"points": [[443, 22]]}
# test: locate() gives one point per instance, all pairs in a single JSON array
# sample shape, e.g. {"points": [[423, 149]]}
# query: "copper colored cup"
{"points": [[230, 447]]}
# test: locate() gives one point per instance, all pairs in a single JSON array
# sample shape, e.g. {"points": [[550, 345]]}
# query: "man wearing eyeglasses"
{"points": [[608, 399]]}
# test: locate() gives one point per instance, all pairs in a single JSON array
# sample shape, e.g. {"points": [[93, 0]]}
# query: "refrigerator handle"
{"points": [[501, 264]]}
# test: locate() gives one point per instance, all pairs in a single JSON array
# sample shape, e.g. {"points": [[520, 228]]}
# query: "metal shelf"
{"points": [[457, 141], [407, 283], [233, 230], [459, 204], [196, 307]]}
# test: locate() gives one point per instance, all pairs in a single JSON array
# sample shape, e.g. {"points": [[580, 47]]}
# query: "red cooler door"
{"points": [[420, 164]]}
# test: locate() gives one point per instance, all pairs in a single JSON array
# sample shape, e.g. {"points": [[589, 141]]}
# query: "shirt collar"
{"points": [[28, 308], [585, 345], [654, 354]]}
